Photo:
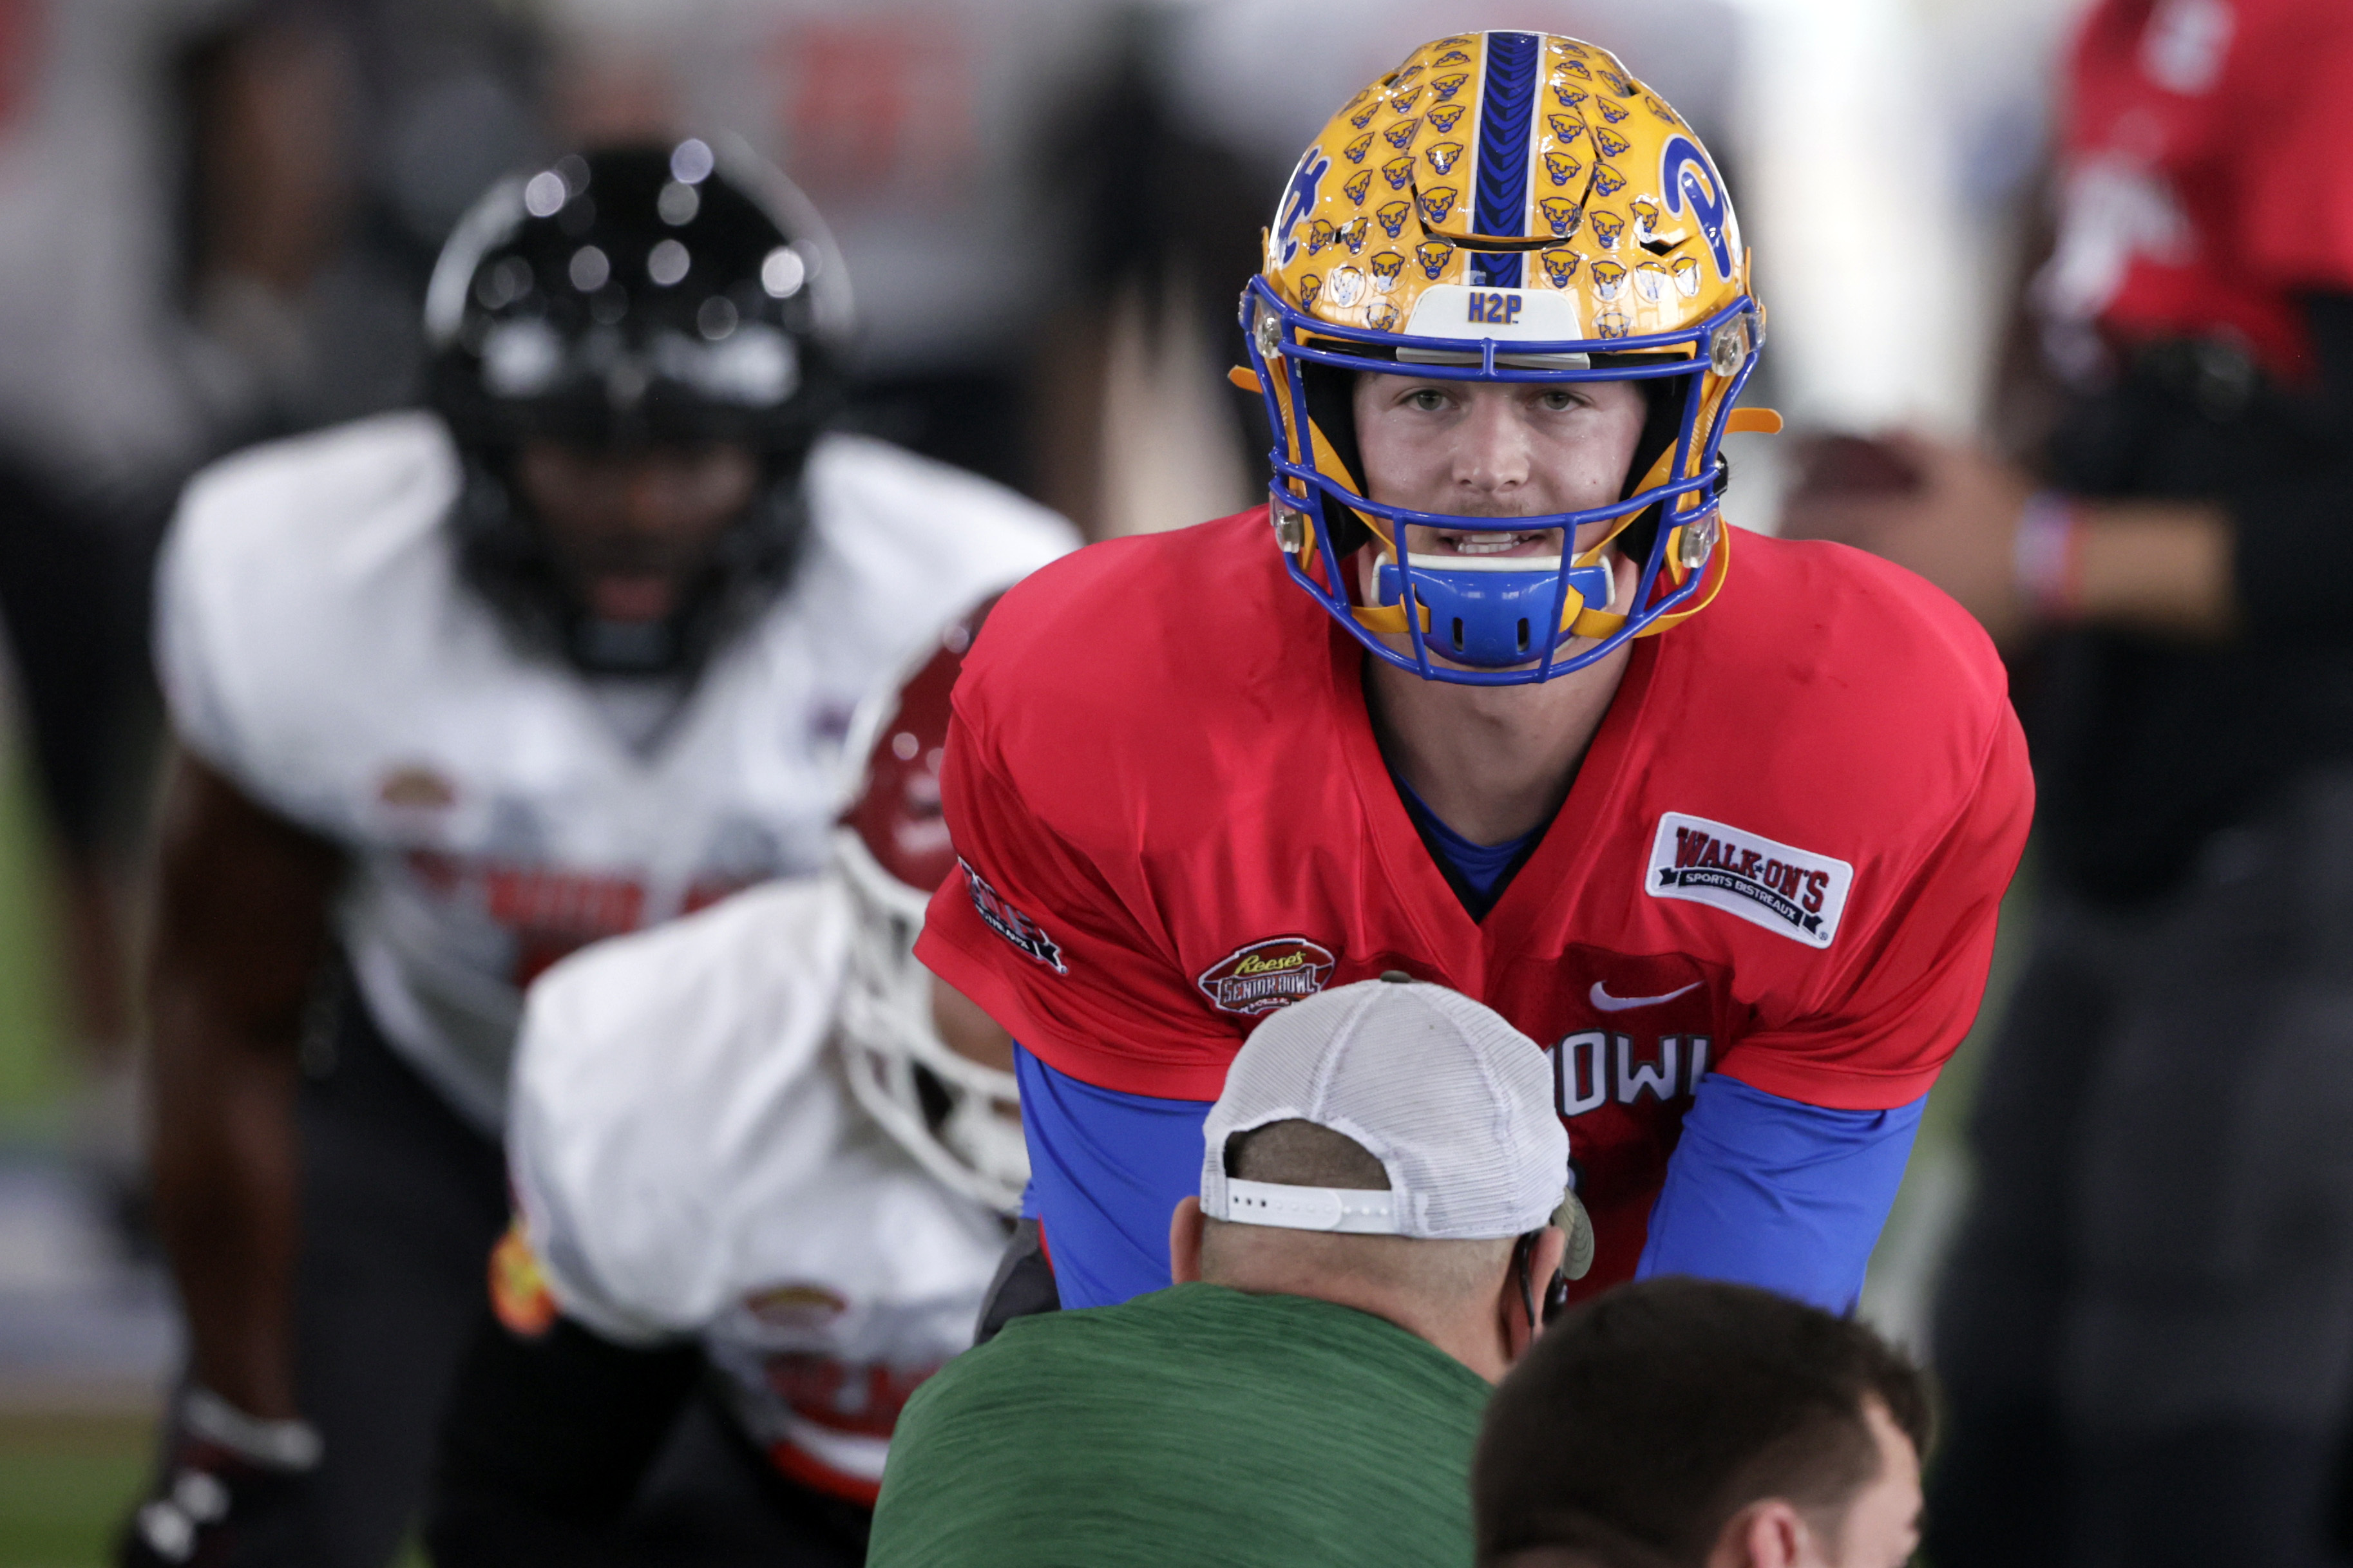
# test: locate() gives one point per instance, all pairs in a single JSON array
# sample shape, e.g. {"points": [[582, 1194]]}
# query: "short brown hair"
{"points": [[1303, 1155], [1644, 1419]]}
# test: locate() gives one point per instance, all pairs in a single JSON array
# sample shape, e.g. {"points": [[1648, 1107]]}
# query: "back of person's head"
{"points": [[1437, 1273], [1391, 1146], [1686, 1423]]}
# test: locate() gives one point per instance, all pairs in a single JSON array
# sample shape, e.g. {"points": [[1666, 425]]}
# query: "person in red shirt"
{"points": [[2146, 1329], [1740, 881]]}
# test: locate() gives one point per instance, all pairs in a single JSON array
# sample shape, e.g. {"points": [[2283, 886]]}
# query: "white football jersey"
{"points": [[690, 1161], [318, 645]]}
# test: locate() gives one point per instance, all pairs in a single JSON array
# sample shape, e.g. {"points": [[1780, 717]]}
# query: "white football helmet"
{"points": [[959, 1117]]}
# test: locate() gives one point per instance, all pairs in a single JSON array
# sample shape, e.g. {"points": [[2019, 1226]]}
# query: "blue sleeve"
{"points": [[1770, 1192], [1106, 1170]]}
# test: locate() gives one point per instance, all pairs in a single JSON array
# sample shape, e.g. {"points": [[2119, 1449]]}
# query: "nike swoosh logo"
{"points": [[1608, 1004]]}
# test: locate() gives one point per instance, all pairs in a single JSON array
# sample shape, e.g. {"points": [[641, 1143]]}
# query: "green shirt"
{"points": [[1196, 1424]]}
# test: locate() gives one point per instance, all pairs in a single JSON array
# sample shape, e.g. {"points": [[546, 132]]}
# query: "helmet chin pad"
{"points": [[1491, 614]]}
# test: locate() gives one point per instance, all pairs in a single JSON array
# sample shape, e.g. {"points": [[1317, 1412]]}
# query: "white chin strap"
{"points": [[1347, 1210]]}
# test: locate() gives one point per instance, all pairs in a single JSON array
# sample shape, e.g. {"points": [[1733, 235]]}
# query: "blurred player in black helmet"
{"points": [[455, 692], [2147, 1329]]}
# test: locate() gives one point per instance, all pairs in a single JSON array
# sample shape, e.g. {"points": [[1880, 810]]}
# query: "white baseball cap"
{"points": [[1455, 1103]]}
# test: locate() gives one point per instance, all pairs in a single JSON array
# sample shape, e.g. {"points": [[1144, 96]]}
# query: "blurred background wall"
{"points": [[217, 219]]}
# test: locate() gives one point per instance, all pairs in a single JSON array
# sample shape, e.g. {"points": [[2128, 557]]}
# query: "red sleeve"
{"points": [[2298, 169], [1914, 986], [1062, 951]]}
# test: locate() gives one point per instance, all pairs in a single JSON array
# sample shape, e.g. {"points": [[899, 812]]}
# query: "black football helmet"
{"points": [[636, 296]]}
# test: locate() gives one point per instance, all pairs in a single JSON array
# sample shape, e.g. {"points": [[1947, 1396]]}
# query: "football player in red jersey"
{"points": [[1741, 881], [2144, 1331]]}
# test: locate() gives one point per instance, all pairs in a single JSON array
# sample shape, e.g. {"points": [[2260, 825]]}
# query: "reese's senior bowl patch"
{"points": [[1256, 980], [1795, 892]]}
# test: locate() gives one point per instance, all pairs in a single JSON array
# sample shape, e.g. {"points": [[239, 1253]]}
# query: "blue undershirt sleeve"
{"points": [[1771, 1192], [1106, 1170]]}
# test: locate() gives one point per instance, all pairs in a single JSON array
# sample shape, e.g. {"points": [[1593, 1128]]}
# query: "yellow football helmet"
{"points": [[1563, 224]]}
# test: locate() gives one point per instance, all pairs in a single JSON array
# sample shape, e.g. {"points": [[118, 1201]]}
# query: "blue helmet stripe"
{"points": [[1507, 106]]}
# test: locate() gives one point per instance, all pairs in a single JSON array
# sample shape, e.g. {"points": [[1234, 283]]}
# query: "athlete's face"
{"points": [[1496, 449], [630, 531]]}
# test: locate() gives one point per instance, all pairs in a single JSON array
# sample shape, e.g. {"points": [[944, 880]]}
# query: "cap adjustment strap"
{"points": [[1353, 1211]]}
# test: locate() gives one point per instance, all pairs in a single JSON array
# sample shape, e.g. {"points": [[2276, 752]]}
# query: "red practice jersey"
{"points": [[2208, 156], [1781, 858]]}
